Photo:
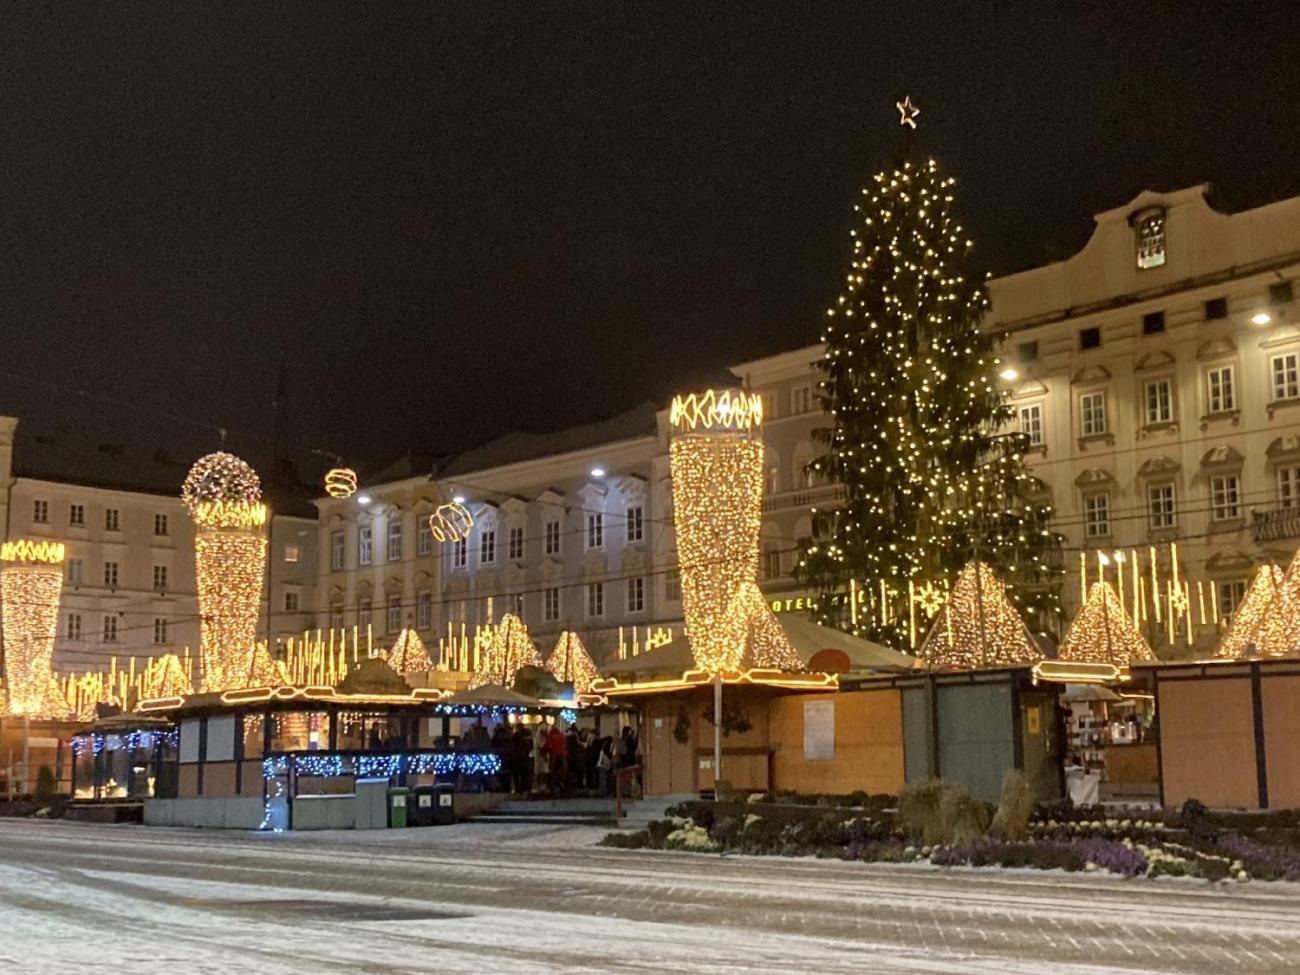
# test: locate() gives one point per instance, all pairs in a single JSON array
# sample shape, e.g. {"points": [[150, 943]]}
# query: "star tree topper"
{"points": [[907, 112]]}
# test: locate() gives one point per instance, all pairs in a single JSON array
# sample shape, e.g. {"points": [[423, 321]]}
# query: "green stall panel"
{"points": [[918, 743], [976, 736]]}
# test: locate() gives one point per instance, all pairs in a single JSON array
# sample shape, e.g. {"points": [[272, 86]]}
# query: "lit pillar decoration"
{"points": [[1103, 632], [505, 648], [31, 583], [717, 477], [409, 654], [224, 496], [977, 627], [570, 663], [1262, 598]]}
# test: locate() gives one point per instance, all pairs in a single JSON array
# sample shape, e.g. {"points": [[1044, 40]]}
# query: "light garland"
{"points": [[507, 648], [717, 483], [977, 627], [382, 766], [716, 410], [230, 514], [451, 522], [570, 662], [1103, 633], [409, 655], [31, 584], [341, 482], [1248, 617], [220, 477]]}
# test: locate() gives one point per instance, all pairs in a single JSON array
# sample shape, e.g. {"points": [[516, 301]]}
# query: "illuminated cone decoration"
{"points": [[1248, 619], [1276, 630], [977, 627], [166, 677], [505, 649], [409, 654], [31, 583], [1102, 633], [570, 663], [717, 475], [224, 496]]}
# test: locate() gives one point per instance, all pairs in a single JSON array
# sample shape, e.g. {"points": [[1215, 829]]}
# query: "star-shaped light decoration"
{"points": [[907, 112], [930, 598]]}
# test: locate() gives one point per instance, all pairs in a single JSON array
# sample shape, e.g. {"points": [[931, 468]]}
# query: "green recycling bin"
{"points": [[397, 797]]}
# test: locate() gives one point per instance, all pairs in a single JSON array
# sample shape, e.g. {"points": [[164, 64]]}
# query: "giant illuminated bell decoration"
{"points": [[31, 582], [224, 496], [717, 477]]}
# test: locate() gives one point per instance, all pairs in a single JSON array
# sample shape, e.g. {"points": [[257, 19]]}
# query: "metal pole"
{"points": [[717, 731], [27, 753]]}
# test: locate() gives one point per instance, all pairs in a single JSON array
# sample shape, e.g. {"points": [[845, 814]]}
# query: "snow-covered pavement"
{"points": [[533, 898]]}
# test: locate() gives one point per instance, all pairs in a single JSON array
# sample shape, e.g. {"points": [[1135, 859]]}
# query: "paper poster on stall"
{"points": [[818, 729]]}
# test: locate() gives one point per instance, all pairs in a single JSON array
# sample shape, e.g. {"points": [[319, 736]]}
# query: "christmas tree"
{"points": [[918, 421], [1102, 633], [977, 627]]}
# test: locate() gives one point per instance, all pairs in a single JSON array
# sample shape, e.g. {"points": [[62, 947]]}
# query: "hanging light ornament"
{"points": [[451, 522], [341, 482]]}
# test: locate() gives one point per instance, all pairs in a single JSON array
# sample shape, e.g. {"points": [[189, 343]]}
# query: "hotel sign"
{"points": [[809, 601]]}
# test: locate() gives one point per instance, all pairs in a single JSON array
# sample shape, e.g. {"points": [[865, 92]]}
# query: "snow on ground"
{"points": [[507, 897]]}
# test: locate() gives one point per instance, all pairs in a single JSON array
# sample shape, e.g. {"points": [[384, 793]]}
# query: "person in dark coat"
{"points": [[522, 753], [575, 758], [503, 748]]}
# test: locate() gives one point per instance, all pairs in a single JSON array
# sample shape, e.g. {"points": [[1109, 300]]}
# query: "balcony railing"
{"points": [[1268, 526], [818, 494]]}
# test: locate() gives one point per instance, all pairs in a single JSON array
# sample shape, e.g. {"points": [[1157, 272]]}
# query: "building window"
{"points": [[552, 538], [1149, 225], [160, 524], [76, 571], [595, 530], [424, 538], [800, 400], [1216, 308], [1286, 376], [1153, 323], [1288, 487], [516, 543], [336, 616], [1279, 293], [1031, 423], [1160, 500], [41, 512], [1225, 496], [159, 630], [74, 626], [77, 514], [1221, 392], [551, 605], [487, 547], [673, 586], [1096, 515], [394, 540], [773, 484], [1092, 414], [393, 614], [769, 405], [1231, 593], [292, 599], [1090, 338], [424, 610], [110, 628], [160, 578], [292, 553], [460, 553], [336, 550], [365, 610], [635, 525], [110, 574], [112, 520], [1158, 394], [1028, 351], [365, 545], [636, 594], [595, 600], [772, 563]]}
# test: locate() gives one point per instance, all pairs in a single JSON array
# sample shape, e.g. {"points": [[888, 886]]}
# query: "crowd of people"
{"points": [[544, 758]]}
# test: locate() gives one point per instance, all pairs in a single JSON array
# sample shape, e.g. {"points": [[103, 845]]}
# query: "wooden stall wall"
{"points": [[1280, 694], [867, 750], [1207, 741]]}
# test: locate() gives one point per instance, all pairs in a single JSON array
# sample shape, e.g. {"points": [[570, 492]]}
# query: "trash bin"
{"points": [[422, 805], [444, 803], [397, 807]]}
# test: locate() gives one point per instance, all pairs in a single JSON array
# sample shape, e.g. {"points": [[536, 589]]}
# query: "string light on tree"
{"points": [[907, 112], [31, 584], [915, 408]]}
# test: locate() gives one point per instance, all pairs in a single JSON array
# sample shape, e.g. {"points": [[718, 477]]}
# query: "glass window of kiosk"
{"points": [[300, 731]]}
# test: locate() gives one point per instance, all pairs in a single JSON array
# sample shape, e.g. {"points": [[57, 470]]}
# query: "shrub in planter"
{"points": [[726, 831], [1260, 861], [940, 813], [761, 835], [627, 841], [690, 838], [657, 832], [1011, 821]]}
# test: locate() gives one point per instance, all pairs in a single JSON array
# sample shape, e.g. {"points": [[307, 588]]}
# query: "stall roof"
{"points": [[494, 694]]}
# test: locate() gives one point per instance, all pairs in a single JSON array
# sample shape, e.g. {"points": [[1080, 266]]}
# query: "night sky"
{"points": [[460, 219]]}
